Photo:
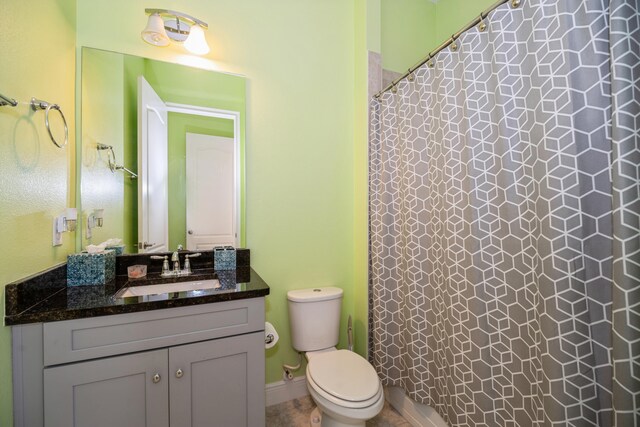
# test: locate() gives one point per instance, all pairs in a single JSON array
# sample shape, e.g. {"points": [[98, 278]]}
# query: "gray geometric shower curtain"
{"points": [[504, 221]]}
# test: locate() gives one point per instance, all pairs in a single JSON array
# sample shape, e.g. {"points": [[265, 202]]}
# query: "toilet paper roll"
{"points": [[270, 335]]}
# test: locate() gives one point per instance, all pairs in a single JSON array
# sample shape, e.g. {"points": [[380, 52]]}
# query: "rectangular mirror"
{"points": [[162, 154]]}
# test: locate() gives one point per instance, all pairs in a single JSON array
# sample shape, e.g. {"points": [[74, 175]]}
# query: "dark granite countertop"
{"points": [[46, 297]]}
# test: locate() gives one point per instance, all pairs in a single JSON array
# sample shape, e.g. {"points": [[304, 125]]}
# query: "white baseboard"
{"points": [[418, 414], [283, 391]]}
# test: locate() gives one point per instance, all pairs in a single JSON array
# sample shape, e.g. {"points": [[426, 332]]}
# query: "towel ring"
{"points": [[111, 160], [37, 104]]}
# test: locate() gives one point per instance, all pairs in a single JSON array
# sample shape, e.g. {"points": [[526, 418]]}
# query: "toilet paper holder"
{"points": [[269, 339], [270, 335]]}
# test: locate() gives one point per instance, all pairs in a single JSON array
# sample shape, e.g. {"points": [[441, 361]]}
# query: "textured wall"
{"points": [[34, 174]]}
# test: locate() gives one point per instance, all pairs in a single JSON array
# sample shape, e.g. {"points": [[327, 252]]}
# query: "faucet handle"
{"points": [[187, 263], [165, 263]]}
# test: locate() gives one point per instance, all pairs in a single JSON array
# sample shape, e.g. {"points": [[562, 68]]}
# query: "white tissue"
{"points": [[270, 335], [111, 242], [95, 249]]}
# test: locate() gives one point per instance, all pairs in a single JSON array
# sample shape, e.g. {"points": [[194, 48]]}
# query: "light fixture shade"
{"points": [[196, 43], [154, 32]]}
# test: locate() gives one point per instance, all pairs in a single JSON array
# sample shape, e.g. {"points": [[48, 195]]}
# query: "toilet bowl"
{"points": [[344, 386]]}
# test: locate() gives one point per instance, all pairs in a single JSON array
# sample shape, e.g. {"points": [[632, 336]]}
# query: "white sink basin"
{"points": [[140, 291]]}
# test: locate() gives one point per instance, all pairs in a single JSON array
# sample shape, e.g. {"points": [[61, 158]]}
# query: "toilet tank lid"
{"points": [[314, 294]]}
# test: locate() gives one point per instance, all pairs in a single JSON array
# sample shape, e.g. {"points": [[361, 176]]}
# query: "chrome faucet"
{"points": [[175, 259]]}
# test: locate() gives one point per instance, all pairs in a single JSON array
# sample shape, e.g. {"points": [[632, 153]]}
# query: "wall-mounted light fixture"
{"points": [[167, 25]]}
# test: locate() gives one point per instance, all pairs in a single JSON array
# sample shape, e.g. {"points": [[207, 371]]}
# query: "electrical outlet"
{"points": [[58, 227], [90, 225]]}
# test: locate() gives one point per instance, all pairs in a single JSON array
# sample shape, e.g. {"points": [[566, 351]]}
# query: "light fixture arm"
{"points": [[184, 16]]}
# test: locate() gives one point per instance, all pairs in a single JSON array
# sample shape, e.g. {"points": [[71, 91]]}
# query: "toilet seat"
{"points": [[344, 378]]}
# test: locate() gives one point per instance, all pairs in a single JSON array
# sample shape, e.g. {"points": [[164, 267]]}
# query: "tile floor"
{"points": [[295, 413]]}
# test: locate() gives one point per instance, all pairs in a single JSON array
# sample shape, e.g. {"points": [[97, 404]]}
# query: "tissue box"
{"points": [[224, 258], [91, 269], [119, 249]]}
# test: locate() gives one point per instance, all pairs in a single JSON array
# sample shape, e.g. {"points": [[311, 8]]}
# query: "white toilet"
{"points": [[344, 385]]}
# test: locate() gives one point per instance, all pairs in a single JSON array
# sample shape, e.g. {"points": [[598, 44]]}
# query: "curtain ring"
{"points": [[482, 26], [410, 77], [453, 45], [515, 3], [394, 88], [430, 63]]}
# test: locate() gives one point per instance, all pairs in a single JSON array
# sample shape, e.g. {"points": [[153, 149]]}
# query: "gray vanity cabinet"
{"points": [[200, 366], [121, 391], [218, 383]]}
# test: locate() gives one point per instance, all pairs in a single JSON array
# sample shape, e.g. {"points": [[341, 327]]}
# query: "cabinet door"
{"points": [[121, 391], [218, 383]]}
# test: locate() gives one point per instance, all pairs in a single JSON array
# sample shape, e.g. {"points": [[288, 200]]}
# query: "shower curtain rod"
{"points": [[446, 43]]}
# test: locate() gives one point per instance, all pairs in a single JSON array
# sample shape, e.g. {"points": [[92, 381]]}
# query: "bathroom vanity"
{"points": [[82, 357]]}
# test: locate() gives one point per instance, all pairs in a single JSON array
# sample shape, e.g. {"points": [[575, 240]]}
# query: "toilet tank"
{"points": [[314, 317]]}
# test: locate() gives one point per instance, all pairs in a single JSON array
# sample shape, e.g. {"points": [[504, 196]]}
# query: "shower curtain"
{"points": [[504, 221]]}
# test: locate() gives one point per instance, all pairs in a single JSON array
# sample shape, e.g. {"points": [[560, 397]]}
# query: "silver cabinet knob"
{"points": [[156, 378], [190, 231], [179, 373]]}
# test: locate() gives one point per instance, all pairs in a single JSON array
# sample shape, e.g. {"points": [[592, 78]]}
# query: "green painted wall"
{"points": [[362, 39], [410, 29], [179, 126], [372, 25], [452, 15], [407, 30], [36, 178]]}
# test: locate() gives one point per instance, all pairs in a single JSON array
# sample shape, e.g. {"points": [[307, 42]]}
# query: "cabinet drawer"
{"points": [[82, 339]]}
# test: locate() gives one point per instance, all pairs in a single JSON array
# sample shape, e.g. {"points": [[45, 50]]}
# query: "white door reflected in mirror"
{"points": [[211, 204], [153, 203]]}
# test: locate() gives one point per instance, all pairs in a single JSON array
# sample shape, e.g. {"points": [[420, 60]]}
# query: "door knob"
{"points": [[145, 245], [179, 373], [156, 378], [190, 231]]}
